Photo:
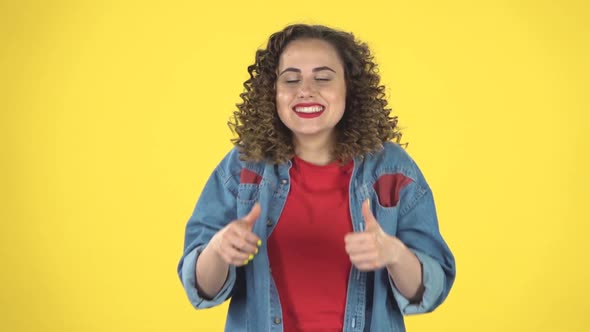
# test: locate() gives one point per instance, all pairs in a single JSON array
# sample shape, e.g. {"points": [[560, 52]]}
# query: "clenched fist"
{"points": [[372, 249], [236, 244]]}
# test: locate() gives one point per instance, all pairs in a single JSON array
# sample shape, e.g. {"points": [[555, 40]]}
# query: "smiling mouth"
{"points": [[309, 109]]}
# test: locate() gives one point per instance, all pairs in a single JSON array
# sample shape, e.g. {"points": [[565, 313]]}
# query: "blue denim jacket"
{"points": [[372, 302]]}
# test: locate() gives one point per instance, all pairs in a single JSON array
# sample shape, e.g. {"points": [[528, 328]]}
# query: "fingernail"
{"points": [[256, 252], [246, 262], [369, 202], [259, 243], [251, 257]]}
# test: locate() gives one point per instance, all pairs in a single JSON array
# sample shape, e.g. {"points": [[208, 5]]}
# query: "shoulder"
{"points": [[232, 167], [392, 158], [395, 151]]}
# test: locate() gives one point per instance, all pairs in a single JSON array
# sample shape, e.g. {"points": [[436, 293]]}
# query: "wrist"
{"points": [[398, 249], [212, 252]]}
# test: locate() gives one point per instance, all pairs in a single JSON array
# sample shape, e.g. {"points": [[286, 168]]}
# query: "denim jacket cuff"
{"points": [[189, 281], [433, 279]]}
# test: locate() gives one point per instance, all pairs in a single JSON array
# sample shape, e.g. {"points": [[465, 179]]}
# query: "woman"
{"points": [[315, 221]]}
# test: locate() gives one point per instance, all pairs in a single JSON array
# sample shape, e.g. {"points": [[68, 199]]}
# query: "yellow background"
{"points": [[113, 115]]}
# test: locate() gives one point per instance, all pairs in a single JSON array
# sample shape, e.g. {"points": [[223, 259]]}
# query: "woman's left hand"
{"points": [[372, 249]]}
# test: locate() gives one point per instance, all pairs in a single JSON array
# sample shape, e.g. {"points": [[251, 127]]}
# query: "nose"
{"points": [[306, 89]]}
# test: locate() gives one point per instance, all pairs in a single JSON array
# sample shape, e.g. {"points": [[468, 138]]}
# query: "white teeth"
{"points": [[311, 109]]}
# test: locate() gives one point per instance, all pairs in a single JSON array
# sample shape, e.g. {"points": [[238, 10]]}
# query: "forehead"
{"points": [[303, 53]]}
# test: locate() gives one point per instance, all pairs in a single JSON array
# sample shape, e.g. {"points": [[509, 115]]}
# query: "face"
{"points": [[311, 89]]}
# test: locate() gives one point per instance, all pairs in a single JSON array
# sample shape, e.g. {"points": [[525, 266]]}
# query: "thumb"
{"points": [[253, 215], [370, 220]]}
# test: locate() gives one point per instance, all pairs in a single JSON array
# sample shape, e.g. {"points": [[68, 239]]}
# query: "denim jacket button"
{"points": [[277, 320], [284, 181], [269, 223]]}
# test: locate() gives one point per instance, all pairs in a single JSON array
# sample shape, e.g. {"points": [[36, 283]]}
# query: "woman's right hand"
{"points": [[236, 244]]}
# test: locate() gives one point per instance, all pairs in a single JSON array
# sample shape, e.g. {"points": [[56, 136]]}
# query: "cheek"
{"points": [[338, 97], [282, 99], [337, 93], [284, 102], [342, 94]]}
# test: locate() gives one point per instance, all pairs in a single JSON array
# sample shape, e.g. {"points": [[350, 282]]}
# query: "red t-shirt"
{"points": [[308, 261]]}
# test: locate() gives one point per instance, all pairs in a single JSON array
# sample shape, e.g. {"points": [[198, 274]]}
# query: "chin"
{"points": [[308, 131]]}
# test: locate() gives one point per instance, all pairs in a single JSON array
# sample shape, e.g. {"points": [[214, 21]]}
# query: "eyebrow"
{"points": [[315, 70]]}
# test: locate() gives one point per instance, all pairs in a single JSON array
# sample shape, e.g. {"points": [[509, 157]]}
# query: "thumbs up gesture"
{"points": [[236, 244], [371, 249]]}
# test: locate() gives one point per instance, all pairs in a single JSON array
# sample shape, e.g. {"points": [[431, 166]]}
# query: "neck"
{"points": [[314, 150]]}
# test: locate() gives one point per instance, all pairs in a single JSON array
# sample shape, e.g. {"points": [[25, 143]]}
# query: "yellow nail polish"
{"points": [[256, 252], [251, 257], [259, 243], [246, 262]]}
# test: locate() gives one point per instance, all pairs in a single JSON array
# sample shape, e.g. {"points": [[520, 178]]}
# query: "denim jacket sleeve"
{"points": [[418, 230], [215, 208]]}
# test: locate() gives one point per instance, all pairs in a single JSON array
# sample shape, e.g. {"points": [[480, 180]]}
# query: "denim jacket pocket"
{"points": [[248, 193], [385, 215]]}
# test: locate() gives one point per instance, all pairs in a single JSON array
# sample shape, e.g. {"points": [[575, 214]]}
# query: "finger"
{"points": [[233, 256], [245, 234], [360, 248], [240, 262], [253, 239], [359, 239], [370, 220], [243, 241], [245, 247], [366, 261], [240, 258], [366, 258], [253, 215]]}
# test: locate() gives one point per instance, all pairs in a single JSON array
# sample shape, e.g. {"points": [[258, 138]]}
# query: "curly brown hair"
{"points": [[364, 127]]}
